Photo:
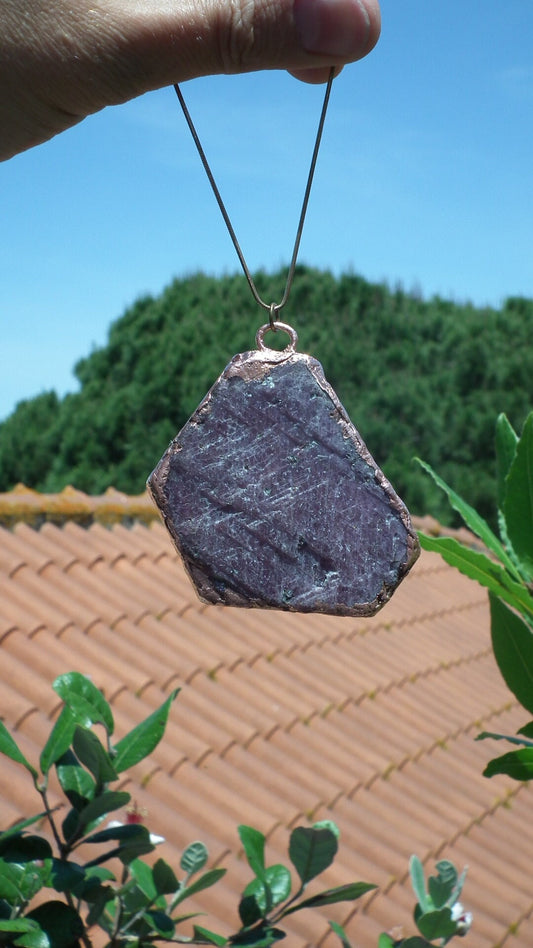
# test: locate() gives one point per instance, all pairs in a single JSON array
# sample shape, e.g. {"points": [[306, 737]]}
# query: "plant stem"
{"points": [[84, 937], [63, 850], [281, 911], [118, 916], [50, 818]]}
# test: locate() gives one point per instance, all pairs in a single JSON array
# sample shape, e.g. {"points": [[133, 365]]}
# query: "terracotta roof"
{"points": [[281, 719]]}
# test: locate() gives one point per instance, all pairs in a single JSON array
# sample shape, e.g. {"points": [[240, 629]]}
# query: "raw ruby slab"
{"points": [[273, 500]]}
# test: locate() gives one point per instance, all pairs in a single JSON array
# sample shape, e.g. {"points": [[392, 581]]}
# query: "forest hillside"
{"points": [[418, 377]]}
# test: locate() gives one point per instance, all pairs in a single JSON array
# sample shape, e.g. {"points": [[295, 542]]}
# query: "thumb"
{"points": [[202, 37], [65, 59]]}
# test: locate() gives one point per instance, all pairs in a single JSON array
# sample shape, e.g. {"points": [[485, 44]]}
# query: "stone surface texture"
{"points": [[273, 500]]}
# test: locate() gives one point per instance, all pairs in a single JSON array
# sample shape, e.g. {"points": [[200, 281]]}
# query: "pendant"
{"points": [[272, 498]]}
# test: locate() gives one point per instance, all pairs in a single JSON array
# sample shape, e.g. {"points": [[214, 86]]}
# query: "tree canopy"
{"points": [[417, 377]]}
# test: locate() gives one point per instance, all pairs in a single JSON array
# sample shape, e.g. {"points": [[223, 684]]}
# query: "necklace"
{"points": [[268, 492]]}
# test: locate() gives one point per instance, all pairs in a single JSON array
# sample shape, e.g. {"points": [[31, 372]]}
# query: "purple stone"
{"points": [[273, 500]]}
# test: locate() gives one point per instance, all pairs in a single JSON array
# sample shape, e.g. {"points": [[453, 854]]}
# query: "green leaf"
{"points": [[18, 827], [415, 942], [443, 884], [66, 876], [92, 755], [61, 923], [329, 825], [418, 882], [165, 879], [194, 858], [160, 922], [103, 804], [254, 848], [472, 520], [311, 851], [343, 893], [97, 911], [24, 848], [516, 764], [437, 924], [384, 941], [134, 841], [30, 935], [144, 877], [100, 874], [479, 567], [133, 848], [91, 888], [506, 442], [70, 826], [204, 936], [24, 868], [259, 937], [204, 882], [9, 889], [134, 901], [278, 880], [339, 931], [512, 642], [20, 882], [249, 910], [503, 737], [272, 889], [35, 939], [85, 700], [18, 925], [77, 785], [456, 895], [124, 832], [59, 740], [11, 750], [142, 740], [179, 919], [518, 503], [446, 872], [439, 893]]}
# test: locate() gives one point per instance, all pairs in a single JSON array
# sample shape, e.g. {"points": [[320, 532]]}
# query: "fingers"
{"points": [[200, 37], [64, 59]]}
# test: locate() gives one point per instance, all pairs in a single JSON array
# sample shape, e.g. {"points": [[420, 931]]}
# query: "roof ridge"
{"points": [[34, 508]]}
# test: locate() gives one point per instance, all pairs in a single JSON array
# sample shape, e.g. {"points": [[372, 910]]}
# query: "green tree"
{"points": [[27, 442], [417, 376]]}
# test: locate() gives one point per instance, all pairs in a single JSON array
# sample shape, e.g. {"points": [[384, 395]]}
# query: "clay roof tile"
{"points": [[282, 719]]}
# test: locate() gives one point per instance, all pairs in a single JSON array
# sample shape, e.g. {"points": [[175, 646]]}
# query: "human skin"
{"points": [[61, 60]]}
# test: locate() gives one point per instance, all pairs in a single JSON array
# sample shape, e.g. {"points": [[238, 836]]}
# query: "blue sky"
{"points": [[425, 178]]}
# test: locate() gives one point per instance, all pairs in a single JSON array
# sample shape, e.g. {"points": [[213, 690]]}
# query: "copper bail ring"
{"points": [[276, 326]]}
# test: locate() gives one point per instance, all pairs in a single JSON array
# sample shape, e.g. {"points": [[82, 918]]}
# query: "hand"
{"points": [[61, 60]]}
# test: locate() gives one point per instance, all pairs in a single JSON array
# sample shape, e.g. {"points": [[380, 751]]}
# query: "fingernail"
{"points": [[332, 27]]}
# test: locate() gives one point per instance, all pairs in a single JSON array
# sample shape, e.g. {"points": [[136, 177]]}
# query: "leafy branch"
{"points": [[506, 570], [144, 905]]}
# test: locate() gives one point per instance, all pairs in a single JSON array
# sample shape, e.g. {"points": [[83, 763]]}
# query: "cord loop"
{"points": [[272, 308]]}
